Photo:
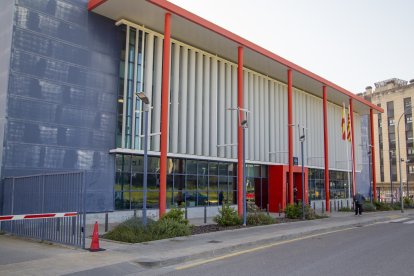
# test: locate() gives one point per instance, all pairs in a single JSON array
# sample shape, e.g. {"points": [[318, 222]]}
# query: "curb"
{"points": [[211, 253]]}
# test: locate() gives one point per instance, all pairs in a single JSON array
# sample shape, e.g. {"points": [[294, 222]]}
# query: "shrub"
{"points": [[227, 216], [408, 202], [177, 215], [345, 209], [295, 212], [380, 206], [168, 228], [133, 230], [368, 207], [259, 218]]}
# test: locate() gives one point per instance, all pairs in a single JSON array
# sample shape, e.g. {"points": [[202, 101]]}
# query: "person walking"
{"points": [[359, 200]]}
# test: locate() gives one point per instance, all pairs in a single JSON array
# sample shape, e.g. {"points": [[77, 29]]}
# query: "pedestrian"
{"points": [[359, 201], [221, 197]]}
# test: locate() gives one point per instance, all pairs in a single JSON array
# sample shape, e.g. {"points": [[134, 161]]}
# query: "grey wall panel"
{"points": [[227, 113], [260, 114], [183, 106], [221, 109], [256, 116], [199, 106], [206, 107], [175, 86], [250, 131], [156, 94], [234, 114], [213, 108], [63, 89], [266, 121], [191, 104], [6, 29]]}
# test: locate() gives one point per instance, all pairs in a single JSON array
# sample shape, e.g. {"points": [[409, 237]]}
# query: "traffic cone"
{"points": [[95, 240]]}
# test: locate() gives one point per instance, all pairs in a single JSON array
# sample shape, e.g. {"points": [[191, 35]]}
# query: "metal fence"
{"points": [[47, 193]]}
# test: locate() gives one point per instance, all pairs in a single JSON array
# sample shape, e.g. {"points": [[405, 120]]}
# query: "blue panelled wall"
{"points": [[62, 93]]}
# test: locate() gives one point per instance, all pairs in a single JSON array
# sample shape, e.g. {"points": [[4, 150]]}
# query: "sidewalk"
{"points": [[183, 249]]}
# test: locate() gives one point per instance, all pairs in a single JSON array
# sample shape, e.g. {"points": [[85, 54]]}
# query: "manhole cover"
{"points": [[213, 241]]}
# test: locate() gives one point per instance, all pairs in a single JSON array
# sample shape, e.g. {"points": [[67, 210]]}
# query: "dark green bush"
{"points": [[227, 216], [259, 218], [133, 230], [368, 207], [408, 202], [168, 228], [345, 209], [295, 212], [177, 215], [381, 206]]}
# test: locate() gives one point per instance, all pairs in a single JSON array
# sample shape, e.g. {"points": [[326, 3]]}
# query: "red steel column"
{"points": [[290, 136], [326, 148], [353, 146], [240, 150], [164, 113], [374, 177]]}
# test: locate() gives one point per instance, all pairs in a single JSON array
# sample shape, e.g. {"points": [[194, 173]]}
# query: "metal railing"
{"points": [[46, 193]]}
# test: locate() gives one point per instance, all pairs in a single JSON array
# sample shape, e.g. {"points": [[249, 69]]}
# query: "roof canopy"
{"points": [[200, 33]]}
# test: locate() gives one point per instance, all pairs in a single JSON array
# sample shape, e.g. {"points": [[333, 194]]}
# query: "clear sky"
{"points": [[353, 43]]}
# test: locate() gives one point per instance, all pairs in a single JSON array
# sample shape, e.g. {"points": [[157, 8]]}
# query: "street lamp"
{"points": [[302, 141], [144, 99], [392, 196], [243, 125]]}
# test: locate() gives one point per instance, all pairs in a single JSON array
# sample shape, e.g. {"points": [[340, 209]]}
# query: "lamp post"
{"points": [[406, 168], [146, 102], [369, 173], [302, 141], [392, 196], [243, 125]]}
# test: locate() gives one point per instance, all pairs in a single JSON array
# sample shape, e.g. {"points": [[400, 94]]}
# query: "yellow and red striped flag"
{"points": [[343, 124], [349, 125]]}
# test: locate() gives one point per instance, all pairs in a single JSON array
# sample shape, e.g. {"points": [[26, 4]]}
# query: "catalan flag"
{"points": [[343, 123], [349, 125]]}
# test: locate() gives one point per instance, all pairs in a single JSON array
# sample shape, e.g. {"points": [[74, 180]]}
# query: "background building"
{"points": [[69, 73], [394, 96]]}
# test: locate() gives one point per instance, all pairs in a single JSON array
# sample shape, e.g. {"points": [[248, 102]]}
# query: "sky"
{"points": [[352, 43]]}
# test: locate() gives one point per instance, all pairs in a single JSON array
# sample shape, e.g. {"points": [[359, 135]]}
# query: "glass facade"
{"points": [[338, 184], [191, 182]]}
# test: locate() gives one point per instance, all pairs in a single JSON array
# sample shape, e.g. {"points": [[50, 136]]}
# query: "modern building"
{"points": [[392, 127], [70, 72]]}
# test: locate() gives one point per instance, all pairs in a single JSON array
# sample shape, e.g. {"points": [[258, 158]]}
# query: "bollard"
{"points": [[334, 205], [106, 222], [330, 205], [135, 213], [267, 208], [205, 214], [347, 204], [279, 210], [185, 211], [338, 206], [323, 211], [314, 206], [342, 204]]}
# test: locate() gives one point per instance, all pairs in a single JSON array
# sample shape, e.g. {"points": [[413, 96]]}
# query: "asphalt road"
{"points": [[379, 249]]}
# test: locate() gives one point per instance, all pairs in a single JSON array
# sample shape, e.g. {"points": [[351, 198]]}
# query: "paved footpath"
{"points": [[23, 257]]}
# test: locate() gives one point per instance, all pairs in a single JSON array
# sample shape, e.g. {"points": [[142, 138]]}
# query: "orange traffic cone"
{"points": [[95, 240]]}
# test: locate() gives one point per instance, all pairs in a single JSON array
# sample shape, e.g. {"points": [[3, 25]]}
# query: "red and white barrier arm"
{"points": [[37, 216]]}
